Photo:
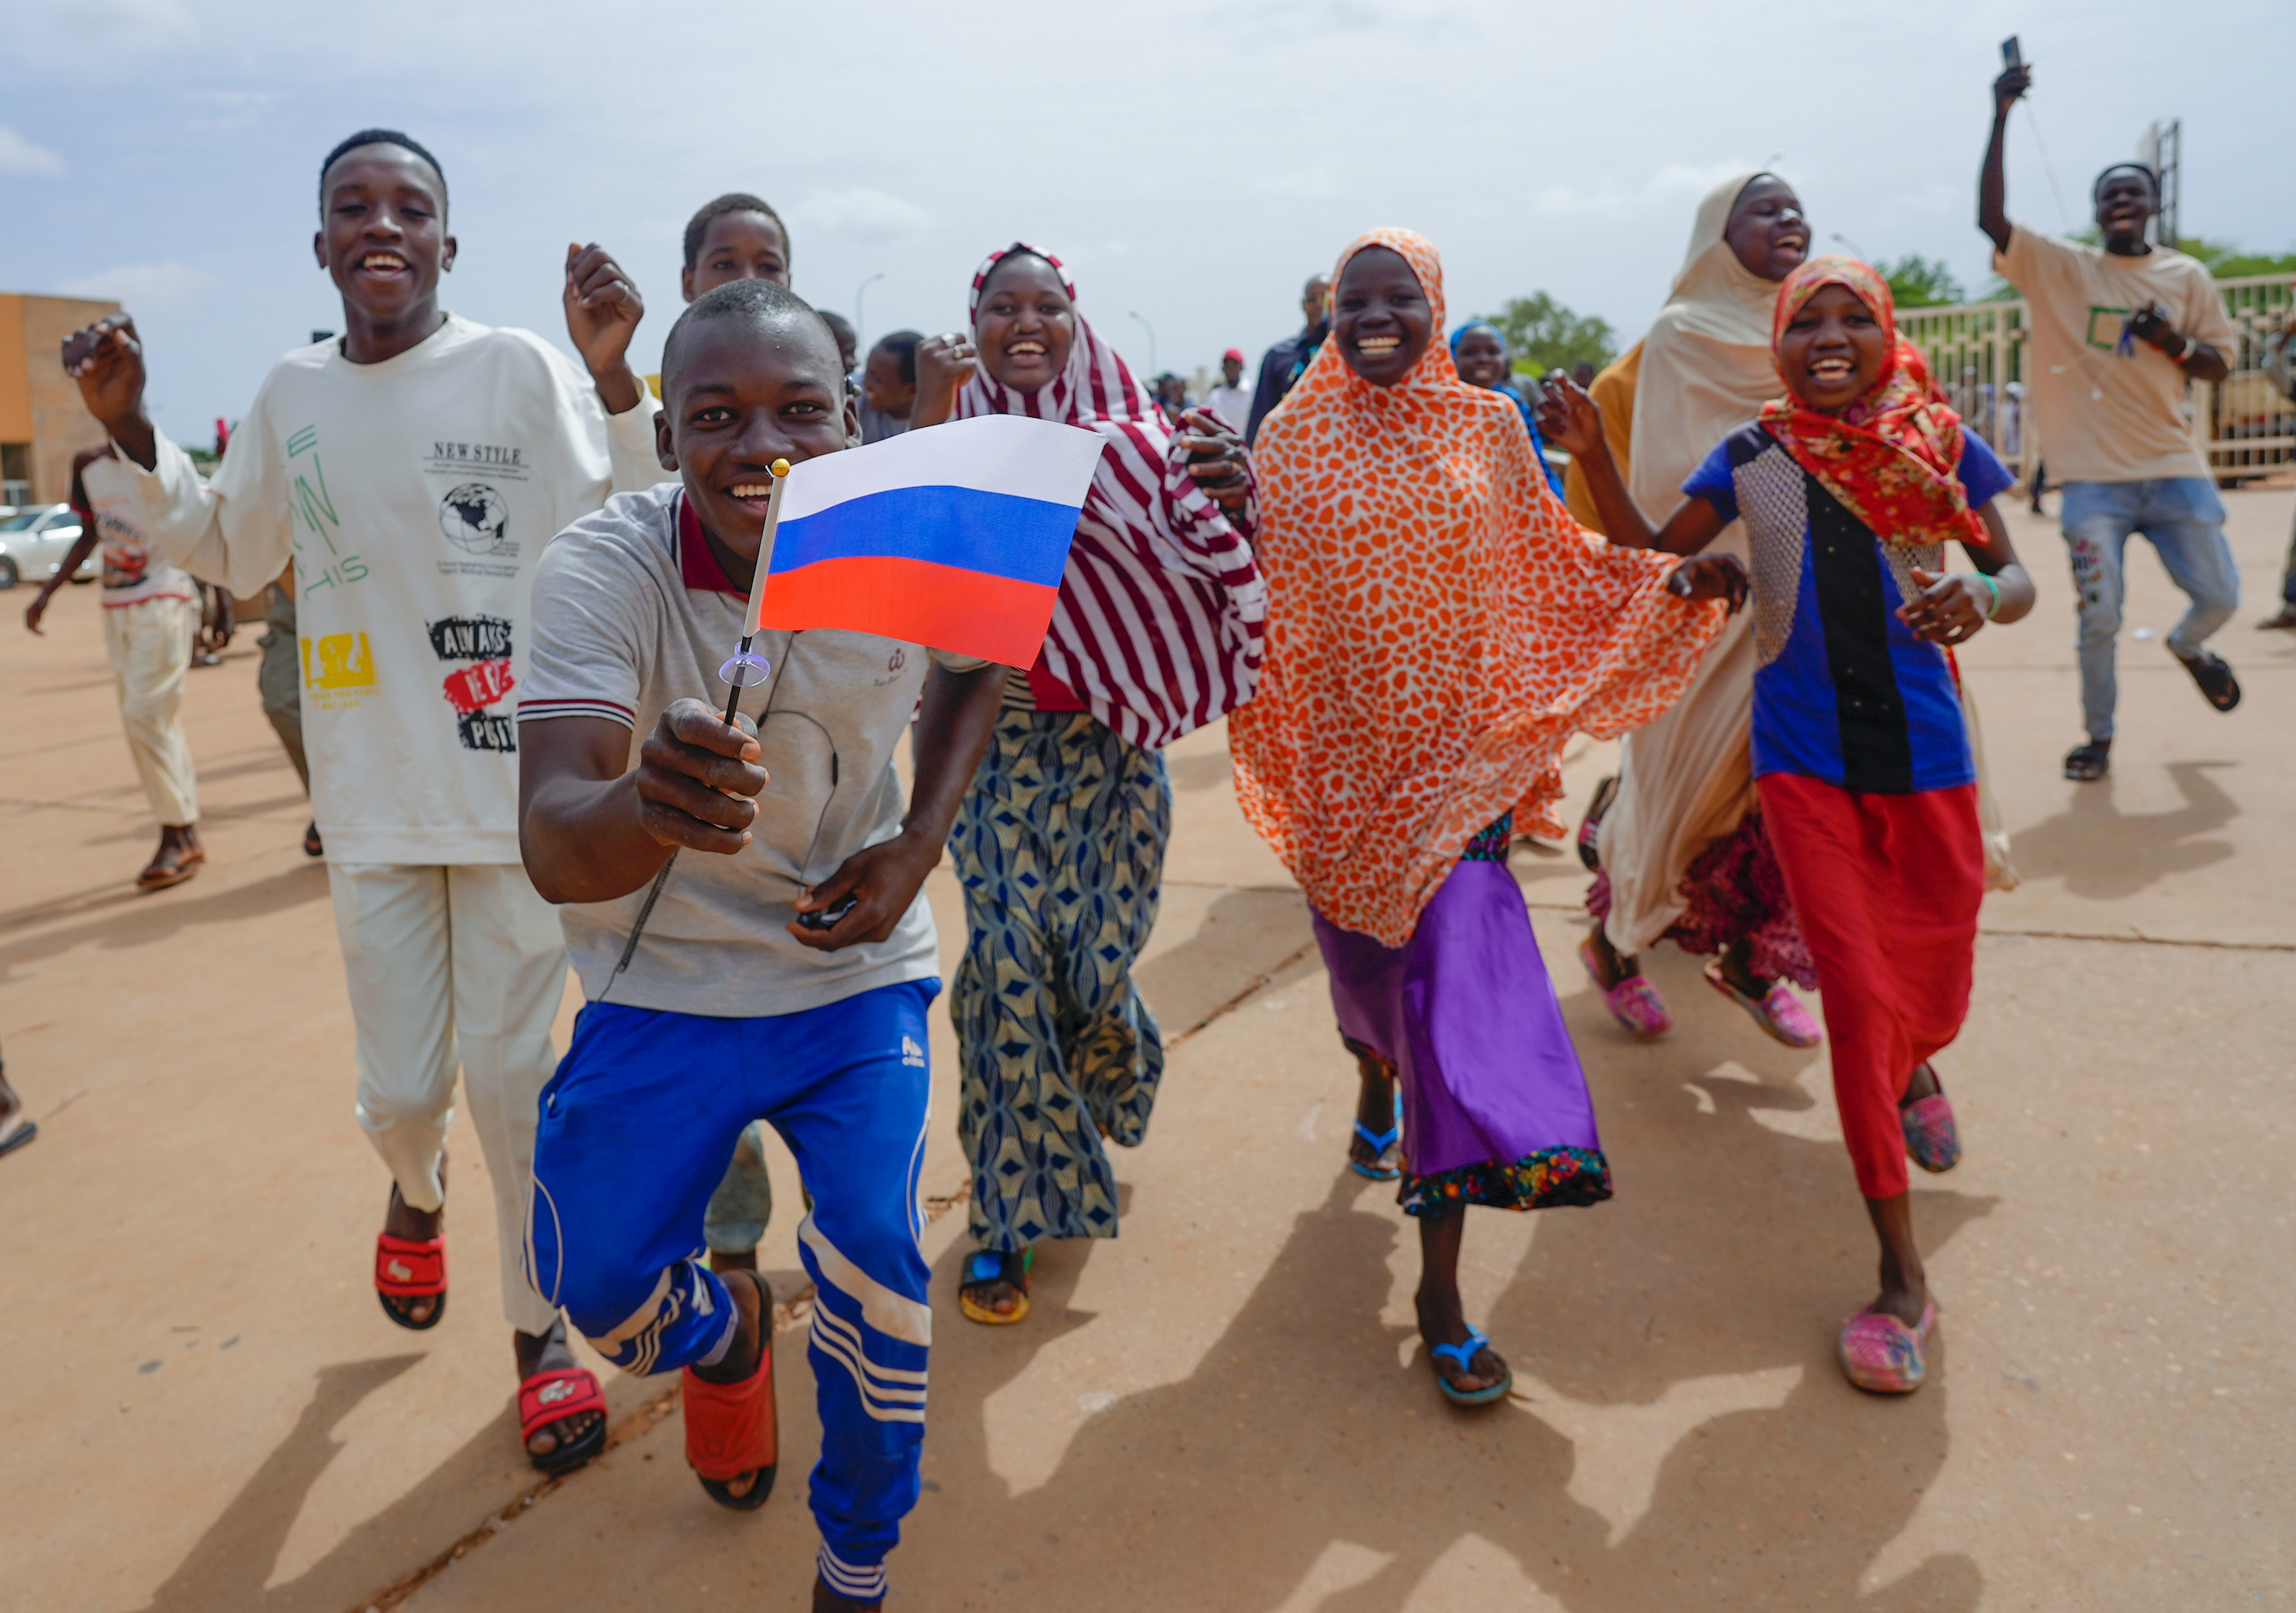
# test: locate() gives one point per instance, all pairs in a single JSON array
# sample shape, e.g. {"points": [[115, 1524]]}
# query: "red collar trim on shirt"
{"points": [[696, 564]]}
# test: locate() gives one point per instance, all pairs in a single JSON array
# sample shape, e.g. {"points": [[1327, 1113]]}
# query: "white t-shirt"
{"points": [[132, 572], [2106, 408], [1233, 404], [415, 496], [631, 615]]}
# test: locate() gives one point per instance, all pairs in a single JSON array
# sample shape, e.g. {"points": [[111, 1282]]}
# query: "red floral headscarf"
{"points": [[1892, 458]]}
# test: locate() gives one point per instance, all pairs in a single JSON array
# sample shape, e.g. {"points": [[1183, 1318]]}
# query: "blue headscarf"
{"points": [[1513, 390]]}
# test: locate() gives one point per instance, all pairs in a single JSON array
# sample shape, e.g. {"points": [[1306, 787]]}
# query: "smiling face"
{"points": [[1481, 356], [1832, 349], [1766, 229], [1027, 324], [1380, 317], [746, 389], [382, 231], [2125, 205], [738, 246]]}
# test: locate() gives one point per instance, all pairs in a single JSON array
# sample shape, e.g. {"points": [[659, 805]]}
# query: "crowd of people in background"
{"points": [[492, 655]]}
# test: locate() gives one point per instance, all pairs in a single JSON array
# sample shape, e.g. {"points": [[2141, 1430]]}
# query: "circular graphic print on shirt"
{"points": [[475, 519]]}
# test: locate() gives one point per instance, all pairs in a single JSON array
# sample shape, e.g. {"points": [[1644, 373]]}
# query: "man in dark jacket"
{"points": [[1288, 358]]}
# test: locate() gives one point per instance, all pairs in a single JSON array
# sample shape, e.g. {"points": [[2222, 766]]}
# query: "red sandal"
{"points": [[552, 1396], [733, 1431], [410, 1268]]}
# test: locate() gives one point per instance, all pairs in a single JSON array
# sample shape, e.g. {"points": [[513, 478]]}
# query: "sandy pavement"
{"points": [[1227, 1408]]}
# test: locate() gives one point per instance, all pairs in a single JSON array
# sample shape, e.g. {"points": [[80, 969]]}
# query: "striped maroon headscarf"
{"points": [[1158, 623]]}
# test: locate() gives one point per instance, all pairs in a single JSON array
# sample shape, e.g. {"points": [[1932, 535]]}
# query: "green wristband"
{"points": [[1992, 588]]}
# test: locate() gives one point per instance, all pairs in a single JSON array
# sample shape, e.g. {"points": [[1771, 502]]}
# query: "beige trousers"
{"points": [[149, 644], [458, 966]]}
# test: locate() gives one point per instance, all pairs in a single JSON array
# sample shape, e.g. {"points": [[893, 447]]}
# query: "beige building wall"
{"points": [[61, 424]]}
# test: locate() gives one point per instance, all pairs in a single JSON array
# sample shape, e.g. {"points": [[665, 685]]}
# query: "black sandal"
{"points": [[2217, 685], [2087, 763], [313, 846]]}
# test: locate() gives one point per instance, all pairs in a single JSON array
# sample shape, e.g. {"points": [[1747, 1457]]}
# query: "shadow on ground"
{"points": [[1679, 1429]]}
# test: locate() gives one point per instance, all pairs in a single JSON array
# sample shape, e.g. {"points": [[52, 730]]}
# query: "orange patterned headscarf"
{"points": [[1437, 627], [1892, 458]]}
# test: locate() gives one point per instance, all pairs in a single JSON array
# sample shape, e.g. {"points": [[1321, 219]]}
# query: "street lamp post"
{"points": [[1152, 340], [859, 293]]}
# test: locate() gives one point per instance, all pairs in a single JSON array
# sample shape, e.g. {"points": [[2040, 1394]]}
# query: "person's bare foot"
{"points": [[826, 1601], [1003, 1295], [1738, 971], [753, 1306], [1375, 1113], [403, 1220], [548, 1352], [1443, 1319], [179, 857], [1611, 965]]}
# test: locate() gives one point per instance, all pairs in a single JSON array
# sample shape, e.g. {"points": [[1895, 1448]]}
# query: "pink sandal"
{"points": [[1882, 1355], [1634, 1002], [1932, 1140], [1778, 1011]]}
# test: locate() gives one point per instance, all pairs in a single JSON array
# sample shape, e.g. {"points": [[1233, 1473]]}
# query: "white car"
{"points": [[34, 541]]}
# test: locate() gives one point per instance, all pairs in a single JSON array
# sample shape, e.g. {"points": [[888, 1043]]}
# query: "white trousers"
{"points": [[150, 644], [465, 965]]}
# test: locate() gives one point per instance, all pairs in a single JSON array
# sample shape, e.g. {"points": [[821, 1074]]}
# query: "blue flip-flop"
{"points": [[1380, 1141], [1463, 1356]]}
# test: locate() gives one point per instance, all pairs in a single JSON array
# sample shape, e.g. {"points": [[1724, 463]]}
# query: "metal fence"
{"points": [[1976, 352]]}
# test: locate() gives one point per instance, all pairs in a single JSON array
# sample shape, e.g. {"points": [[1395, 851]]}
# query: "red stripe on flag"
{"points": [[940, 607]]}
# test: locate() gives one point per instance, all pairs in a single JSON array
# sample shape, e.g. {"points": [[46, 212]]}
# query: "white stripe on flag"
{"points": [[1007, 454]]}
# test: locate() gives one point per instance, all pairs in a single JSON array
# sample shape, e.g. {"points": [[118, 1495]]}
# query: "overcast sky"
{"points": [[1191, 161]]}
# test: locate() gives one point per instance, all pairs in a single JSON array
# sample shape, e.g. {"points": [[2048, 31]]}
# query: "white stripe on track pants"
{"points": [[462, 964]]}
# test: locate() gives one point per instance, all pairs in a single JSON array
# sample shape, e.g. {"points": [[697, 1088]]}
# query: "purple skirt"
{"points": [[1496, 1110]]}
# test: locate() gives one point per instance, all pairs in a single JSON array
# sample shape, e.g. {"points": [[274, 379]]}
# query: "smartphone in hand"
{"points": [[2011, 54]]}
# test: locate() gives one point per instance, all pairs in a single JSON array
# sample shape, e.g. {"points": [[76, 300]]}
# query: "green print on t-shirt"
{"points": [[2115, 317], [315, 507]]}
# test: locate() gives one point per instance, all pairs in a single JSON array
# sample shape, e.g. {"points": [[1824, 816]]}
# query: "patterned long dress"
{"points": [[1060, 846]]}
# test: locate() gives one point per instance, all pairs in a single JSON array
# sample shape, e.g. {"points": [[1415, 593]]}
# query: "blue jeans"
{"points": [[2184, 519]]}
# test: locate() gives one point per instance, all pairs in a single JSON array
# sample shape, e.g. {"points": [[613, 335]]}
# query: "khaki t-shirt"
{"points": [[2106, 409]]}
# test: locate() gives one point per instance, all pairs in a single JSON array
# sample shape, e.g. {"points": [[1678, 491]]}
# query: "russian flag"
{"points": [[954, 537]]}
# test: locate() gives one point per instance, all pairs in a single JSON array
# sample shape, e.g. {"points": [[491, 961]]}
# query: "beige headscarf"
{"points": [[1687, 780], [1706, 365]]}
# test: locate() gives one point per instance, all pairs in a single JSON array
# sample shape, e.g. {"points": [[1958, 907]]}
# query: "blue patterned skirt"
{"points": [[1060, 846]]}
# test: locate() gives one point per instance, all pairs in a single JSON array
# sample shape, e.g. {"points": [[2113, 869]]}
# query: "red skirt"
{"points": [[1887, 888]]}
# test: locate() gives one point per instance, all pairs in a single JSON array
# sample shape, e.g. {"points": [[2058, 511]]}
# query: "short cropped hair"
{"points": [[380, 137], [903, 345], [761, 300], [2151, 179], [731, 202]]}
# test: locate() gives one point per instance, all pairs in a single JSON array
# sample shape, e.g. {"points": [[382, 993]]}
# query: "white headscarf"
{"points": [[1706, 366]]}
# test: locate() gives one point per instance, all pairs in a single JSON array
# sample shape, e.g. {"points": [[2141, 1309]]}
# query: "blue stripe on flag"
{"points": [[1025, 539]]}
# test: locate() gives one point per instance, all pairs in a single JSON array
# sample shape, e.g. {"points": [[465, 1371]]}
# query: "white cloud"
{"points": [[19, 155], [142, 285], [863, 214]]}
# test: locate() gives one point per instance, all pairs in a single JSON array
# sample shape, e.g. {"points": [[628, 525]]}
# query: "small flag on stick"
{"points": [[953, 537]]}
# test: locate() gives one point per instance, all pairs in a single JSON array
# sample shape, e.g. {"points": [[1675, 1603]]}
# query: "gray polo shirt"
{"points": [[630, 615]]}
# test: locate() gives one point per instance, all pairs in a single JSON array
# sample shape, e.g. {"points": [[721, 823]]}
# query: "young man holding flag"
{"points": [[782, 967]]}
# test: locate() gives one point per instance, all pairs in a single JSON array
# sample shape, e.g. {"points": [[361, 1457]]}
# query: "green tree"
{"points": [[1920, 283], [1542, 335], [2226, 261]]}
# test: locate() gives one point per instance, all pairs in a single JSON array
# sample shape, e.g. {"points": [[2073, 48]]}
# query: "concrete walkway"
{"points": [[1228, 1407]]}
